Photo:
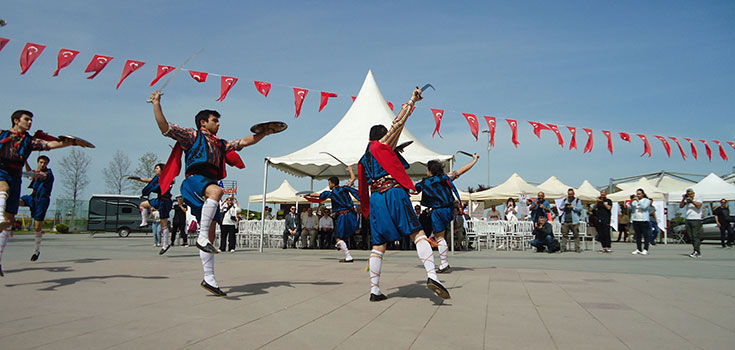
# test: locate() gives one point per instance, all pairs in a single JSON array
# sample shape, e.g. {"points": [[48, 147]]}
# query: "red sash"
{"points": [[387, 158]]}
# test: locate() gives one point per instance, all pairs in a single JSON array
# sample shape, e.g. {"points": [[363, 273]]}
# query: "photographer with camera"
{"points": [[570, 213], [229, 210], [543, 236], [539, 207], [693, 221]]}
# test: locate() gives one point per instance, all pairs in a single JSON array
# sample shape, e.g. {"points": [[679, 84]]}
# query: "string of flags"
{"points": [[65, 57]]}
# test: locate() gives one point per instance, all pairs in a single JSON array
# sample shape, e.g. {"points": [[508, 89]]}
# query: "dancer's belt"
{"points": [[383, 184], [12, 167], [345, 211]]}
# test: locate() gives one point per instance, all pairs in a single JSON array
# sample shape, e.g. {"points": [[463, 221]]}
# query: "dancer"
{"points": [[16, 144], [206, 155], [345, 220], [439, 193], [39, 199], [389, 207], [162, 203]]}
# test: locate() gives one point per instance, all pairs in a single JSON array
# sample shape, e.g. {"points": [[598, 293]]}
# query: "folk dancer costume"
{"points": [[163, 204], [345, 220], [205, 158], [392, 217], [438, 193], [38, 201]]}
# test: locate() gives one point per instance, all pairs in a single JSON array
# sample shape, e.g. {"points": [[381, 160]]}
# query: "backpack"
{"points": [[555, 246]]}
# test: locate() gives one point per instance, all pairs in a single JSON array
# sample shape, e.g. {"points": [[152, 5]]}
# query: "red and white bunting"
{"points": [[646, 145], [590, 140], [723, 155], [29, 54], [97, 64], [693, 148], [438, 115], [130, 67], [299, 96], [537, 127], [325, 99], [263, 87], [608, 134], [199, 77], [161, 71], [3, 42], [491, 124], [667, 147], [681, 149], [66, 56], [226, 83], [707, 149], [573, 141], [514, 130], [474, 124], [556, 131]]}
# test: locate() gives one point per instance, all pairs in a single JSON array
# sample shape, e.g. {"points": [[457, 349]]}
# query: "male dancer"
{"points": [[39, 199], [205, 165], [162, 203], [439, 195], [16, 144], [345, 222], [389, 208]]}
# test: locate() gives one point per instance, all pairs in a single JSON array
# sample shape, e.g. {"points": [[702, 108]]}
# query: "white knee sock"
{"points": [[165, 236], [3, 198], [209, 209], [143, 216], [39, 235], [4, 236], [343, 247], [376, 264], [443, 250], [208, 265], [423, 248]]}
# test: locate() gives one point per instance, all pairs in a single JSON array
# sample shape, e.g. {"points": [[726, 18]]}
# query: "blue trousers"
{"points": [[541, 244]]}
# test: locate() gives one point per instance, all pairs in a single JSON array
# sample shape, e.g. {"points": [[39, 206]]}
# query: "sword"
{"points": [[335, 158], [176, 71], [466, 153], [428, 86]]}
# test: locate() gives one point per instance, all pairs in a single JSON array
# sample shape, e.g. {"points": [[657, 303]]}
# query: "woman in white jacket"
{"points": [[640, 216]]}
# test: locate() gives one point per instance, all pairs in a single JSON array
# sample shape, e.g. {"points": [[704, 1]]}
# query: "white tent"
{"points": [[554, 188], [587, 192], [670, 184], [711, 189], [653, 192], [283, 194], [464, 196], [512, 187]]}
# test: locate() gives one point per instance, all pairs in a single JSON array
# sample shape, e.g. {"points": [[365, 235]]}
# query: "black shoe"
{"points": [[653, 243], [164, 250], [284, 247], [437, 288], [377, 297], [209, 248], [214, 290], [3, 275], [293, 246], [35, 256], [346, 261], [444, 270]]}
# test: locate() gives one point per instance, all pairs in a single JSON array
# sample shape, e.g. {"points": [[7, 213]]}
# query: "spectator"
{"points": [[539, 207], [309, 223], [623, 222], [459, 231], [722, 217], [179, 222], [268, 213], [543, 236], [641, 220], [571, 210], [511, 210], [156, 227], [228, 229], [326, 227], [602, 213], [655, 230], [693, 220], [292, 225], [493, 214]]}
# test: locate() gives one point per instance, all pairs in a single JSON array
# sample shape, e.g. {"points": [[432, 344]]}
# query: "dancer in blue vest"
{"points": [[206, 155], [39, 200], [345, 220], [439, 194], [392, 217], [16, 144], [162, 203]]}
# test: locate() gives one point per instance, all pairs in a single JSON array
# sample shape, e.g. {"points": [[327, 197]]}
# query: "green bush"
{"points": [[61, 228]]}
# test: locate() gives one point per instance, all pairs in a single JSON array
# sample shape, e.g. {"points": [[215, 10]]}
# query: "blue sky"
{"points": [[654, 67]]}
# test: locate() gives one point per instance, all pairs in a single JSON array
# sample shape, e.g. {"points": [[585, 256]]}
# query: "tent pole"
{"points": [[262, 213], [451, 226]]}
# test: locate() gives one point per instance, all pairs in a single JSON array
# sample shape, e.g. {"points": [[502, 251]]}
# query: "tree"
{"points": [[74, 174], [116, 174], [145, 164]]}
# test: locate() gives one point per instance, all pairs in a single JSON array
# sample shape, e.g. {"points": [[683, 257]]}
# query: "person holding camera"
{"points": [[641, 207], [539, 207], [603, 211], [693, 221], [571, 211], [229, 211], [543, 236]]}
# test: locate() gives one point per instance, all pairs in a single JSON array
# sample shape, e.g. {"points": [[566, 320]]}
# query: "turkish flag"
{"points": [[130, 67], [29, 54], [3, 42], [438, 114], [514, 130], [200, 77], [590, 140], [646, 145], [161, 71], [390, 105], [537, 127], [625, 136], [325, 99], [681, 149], [694, 149], [573, 142], [97, 64], [732, 144], [65, 58], [263, 87], [707, 149], [474, 125], [299, 95], [608, 134], [491, 129], [556, 131], [226, 83], [667, 147], [353, 98], [723, 155]]}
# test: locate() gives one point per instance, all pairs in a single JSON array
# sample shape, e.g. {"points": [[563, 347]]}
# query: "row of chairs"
{"points": [[516, 235]]}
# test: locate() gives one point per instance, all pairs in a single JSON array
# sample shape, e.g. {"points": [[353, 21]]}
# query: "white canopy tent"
{"points": [[711, 189], [670, 184], [554, 188], [653, 192], [586, 192], [511, 188], [283, 194], [348, 141]]}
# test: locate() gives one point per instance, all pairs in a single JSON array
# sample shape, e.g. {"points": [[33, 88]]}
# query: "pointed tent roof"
{"points": [[711, 189], [283, 194], [554, 188], [587, 192], [670, 184], [652, 191], [512, 187], [349, 138]]}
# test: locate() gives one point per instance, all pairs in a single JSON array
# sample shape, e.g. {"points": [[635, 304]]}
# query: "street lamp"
{"points": [[488, 155]]}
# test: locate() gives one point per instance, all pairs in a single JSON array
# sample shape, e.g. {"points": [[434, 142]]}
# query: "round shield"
{"points": [[262, 127], [78, 141]]}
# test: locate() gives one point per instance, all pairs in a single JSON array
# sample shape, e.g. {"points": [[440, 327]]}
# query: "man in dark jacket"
{"points": [[544, 235], [292, 226]]}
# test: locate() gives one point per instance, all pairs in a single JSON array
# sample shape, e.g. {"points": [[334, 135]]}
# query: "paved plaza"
{"points": [[107, 292]]}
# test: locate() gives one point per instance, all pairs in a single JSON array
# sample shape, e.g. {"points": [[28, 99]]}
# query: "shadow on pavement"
{"points": [[63, 282], [75, 261], [47, 269], [417, 290], [260, 288]]}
